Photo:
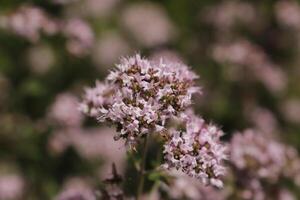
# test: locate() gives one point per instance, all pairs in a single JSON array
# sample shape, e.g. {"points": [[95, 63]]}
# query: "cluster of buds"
{"points": [[196, 150], [139, 96]]}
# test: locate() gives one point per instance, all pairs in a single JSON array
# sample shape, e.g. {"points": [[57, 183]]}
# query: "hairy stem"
{"points": [[142, 169]]}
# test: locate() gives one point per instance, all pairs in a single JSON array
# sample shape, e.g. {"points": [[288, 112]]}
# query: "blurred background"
{"points": [[246, 53]]}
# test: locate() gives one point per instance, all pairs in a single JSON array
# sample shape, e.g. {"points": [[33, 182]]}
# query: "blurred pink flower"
{"points": [[91, 143], [59, 141], [242, 53], [229, 13], [109, 49], [148, 23], [253, 151], [286, 195], [263, 119], [64, 111], [79, 35], [291, 110], [263, 163], [12, 187], [196, 150], [40, 58], [288, 13], [30, 21], [99, 143]]}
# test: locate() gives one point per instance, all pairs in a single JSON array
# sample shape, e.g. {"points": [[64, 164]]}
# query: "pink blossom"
{"points": [[80, 36], [263, 119], [288, 13], [245, 56], [148, 23], [108, 49], [11, 187], [30, 21], [229, 13], [197, 150], [264, 164], [41, 58], [291, 109], [64, 111], [139, 96]]}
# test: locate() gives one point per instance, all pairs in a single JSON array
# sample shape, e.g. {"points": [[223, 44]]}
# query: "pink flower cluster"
{"points": [[80, 36], [264, 163], [197, 150], [12, 186], [242, 53], [139, 96], [62, 111], [228, 14], [288, 13], [31, 21]]}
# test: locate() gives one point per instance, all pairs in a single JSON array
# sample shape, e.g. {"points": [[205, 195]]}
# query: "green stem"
{"points": [[142, 169]]}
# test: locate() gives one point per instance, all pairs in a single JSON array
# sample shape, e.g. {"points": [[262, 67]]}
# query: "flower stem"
{"points": [[142, 169]]}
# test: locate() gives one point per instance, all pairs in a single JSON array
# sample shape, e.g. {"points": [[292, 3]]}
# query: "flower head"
{"points": [[197, 151], [139, 96]]}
